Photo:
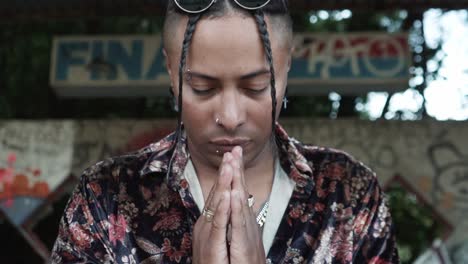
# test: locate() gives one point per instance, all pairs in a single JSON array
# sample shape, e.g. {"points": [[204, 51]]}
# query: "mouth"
{"points": [[227, 144]]}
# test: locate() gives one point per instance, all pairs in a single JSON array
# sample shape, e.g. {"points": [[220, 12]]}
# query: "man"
{"points": [[229, 186]]}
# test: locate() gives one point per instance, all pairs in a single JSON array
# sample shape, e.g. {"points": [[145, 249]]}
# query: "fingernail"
{"points": [[236, 149]]}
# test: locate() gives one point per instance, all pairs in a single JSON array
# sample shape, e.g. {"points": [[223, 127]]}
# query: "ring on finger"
{"points": [[208, 214], [251, 200]]}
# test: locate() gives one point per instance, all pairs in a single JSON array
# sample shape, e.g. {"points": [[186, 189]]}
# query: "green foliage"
{"points": [[25, 92], [343, 21], [416, 226]]}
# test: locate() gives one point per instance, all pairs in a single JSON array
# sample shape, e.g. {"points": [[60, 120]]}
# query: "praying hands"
{"points": [[227, 231]]}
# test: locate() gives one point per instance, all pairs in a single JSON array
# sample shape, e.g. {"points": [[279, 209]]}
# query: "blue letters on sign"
{"points": [[68, 56], [354, 59], [130, 62], [104, 58], [157, 66], [98, 53]]}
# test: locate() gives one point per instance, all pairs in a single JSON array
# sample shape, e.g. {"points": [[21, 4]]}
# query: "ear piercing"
{"points": [[285, 102]]}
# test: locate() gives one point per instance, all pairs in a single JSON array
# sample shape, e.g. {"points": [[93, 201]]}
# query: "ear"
{"points": [[168, 68], [291, 52], [167, 62]]}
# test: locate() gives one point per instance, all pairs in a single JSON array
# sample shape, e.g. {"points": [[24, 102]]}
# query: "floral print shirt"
{"points": [[128, 209]]}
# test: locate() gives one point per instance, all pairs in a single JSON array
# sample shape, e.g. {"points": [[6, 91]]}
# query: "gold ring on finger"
{"points": [[208, 214]]}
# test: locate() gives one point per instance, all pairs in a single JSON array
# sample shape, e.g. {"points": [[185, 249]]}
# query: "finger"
{"points": [[244, 224], [222, 184], [239, 177], [238, 152], [221, 219], [238, 182], [238, 220], [241, 227], [210, 196], [225, 172]]}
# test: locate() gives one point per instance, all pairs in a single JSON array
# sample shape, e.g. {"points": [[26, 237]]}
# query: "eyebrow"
{"points": [[243, 77], [255, 74], [200, 75]]}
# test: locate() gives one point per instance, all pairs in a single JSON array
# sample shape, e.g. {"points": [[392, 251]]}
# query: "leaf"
{"points": [[148, 246], [156, 259]]}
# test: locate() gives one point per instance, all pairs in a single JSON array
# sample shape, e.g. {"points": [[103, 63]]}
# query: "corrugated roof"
{"points": [[45, 9]]}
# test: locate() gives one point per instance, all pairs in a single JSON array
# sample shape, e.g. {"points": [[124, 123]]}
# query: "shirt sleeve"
{"points": [[83, 235], [375, 237]]}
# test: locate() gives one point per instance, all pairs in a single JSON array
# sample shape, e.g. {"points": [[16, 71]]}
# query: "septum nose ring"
{"points": [[217, 121]]}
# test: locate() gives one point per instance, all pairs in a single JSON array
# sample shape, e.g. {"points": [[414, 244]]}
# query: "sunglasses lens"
{"points": [[252, 4], [194, 6]]}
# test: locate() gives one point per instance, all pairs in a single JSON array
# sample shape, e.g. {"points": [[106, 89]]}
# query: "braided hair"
{"points": [[218, 9], [183, 59], [262, 27]]}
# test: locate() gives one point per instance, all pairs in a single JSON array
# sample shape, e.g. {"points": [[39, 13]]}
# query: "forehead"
{"points": [[227, 46]]}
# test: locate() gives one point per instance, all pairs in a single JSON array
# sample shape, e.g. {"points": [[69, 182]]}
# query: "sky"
{"points": [[447, 95]]}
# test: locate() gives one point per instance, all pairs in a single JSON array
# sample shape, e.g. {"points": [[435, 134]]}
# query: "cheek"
{"points": [[195, 115], [196, 123], [259, 112]]}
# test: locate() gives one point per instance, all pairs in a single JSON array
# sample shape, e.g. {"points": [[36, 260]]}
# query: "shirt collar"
{"points": [[290, 150], [293, 161], [159, 155]]}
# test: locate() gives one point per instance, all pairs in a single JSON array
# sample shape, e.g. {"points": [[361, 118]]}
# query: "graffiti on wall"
{"points": [[430, 156], [35, 158], [331, 56], [450, 182], [101, 139]]}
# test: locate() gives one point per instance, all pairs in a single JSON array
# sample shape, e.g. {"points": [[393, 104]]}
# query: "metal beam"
{"points": [[27, 10]]}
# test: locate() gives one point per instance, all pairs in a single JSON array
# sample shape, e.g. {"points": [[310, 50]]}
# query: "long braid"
{"points": [[183, 59], [262, 27], [192, 22]]}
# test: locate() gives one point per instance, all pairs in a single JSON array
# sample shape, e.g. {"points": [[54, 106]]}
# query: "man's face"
{"points": [[227, 78]]}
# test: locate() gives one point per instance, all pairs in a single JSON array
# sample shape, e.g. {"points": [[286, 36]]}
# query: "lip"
{"points": [[230, 142], [227, 144]]}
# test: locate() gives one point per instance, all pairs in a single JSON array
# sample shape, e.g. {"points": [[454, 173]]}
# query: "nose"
{"points": [[231, 113]]}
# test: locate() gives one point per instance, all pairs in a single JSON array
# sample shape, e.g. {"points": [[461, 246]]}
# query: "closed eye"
{"points": [[256, 91], [205, 91]]}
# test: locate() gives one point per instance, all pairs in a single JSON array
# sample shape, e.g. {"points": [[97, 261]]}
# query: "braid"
{"points": [[183, 59], [262, 27]]}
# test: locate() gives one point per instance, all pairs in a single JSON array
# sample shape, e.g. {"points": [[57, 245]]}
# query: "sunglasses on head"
{"points": [[198, 6]]}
